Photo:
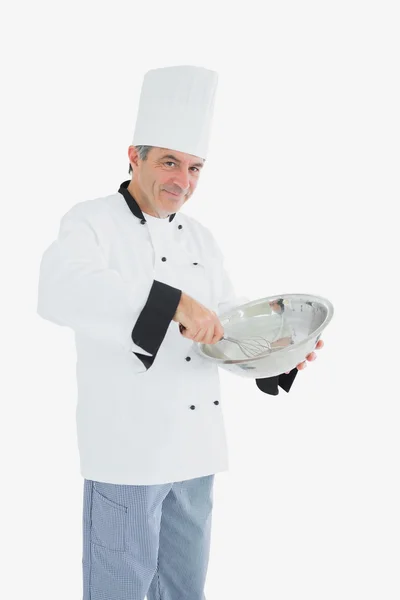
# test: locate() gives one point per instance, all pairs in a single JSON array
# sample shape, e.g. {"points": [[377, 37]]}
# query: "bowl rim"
{"points": [[198, 346]]}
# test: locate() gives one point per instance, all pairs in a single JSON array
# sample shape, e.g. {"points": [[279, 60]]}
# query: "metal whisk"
{"points": [[250, 347]]}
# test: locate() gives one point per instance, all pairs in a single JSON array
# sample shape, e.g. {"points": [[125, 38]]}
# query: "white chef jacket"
{"points": [[149, 408]]}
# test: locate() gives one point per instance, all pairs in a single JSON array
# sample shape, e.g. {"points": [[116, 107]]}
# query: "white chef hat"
{"points": [[175, 109]]}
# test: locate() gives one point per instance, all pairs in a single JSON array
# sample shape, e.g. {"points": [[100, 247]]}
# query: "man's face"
{"points": [[163, 182]]}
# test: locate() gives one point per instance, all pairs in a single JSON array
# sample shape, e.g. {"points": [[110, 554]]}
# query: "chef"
{"points": [[124, 272]]}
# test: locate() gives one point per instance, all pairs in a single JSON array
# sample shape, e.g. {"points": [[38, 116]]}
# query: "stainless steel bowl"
{"points": [[292, 323]]}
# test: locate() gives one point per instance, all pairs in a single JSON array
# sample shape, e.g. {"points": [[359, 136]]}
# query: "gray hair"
{"points": [[143, 152]]}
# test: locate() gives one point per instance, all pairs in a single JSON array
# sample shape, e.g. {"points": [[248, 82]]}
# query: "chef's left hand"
{"points": [[310, 357]]}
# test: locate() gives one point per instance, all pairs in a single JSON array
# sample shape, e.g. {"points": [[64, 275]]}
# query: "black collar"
{"points": [[131, 202]]}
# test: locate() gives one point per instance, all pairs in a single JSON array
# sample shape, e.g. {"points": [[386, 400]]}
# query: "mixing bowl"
{"points": [[292, 323]]}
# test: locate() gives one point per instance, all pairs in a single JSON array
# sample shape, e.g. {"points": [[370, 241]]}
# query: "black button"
{"points": [[216, 401], [179, 226], [193, 407], [188, 358], [143, 221], [138, 342], [195, 263], [163, 259]]}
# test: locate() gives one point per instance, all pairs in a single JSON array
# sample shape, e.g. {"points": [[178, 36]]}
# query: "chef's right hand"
{"points": [[199, 323]]}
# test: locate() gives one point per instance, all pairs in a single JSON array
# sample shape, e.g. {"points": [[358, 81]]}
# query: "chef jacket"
{"points": [[149, 407]]}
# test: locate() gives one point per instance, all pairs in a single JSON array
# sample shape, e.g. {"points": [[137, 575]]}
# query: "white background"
{"points": [[301, 190]]}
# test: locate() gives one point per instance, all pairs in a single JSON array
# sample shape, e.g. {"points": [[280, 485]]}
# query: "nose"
{"points": [[182, 180]]}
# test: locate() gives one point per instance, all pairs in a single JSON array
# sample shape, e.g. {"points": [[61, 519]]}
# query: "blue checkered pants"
{"points": [[146, 541]]}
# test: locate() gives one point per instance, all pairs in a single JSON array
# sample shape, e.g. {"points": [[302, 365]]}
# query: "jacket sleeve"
{"points": [[78, 290], [228, 300]]}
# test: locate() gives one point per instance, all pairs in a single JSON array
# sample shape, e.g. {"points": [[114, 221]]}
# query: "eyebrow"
{"points": [[199, 164]]}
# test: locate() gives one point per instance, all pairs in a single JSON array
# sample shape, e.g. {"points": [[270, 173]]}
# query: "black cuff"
{"points": [[153, 322], [146, 360], [269, 385]]}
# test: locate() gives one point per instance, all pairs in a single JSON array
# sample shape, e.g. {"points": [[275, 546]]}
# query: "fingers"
{"points": [[301, 366], [200, 336], [214, 334], [310, 357], [202, 325], [187, 334], [209, 335]]}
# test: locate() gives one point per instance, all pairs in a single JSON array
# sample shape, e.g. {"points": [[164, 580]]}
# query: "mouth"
{"points": [[171, 194]]}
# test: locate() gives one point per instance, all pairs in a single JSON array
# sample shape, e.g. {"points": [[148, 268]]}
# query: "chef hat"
{"points": [[176, 108]]}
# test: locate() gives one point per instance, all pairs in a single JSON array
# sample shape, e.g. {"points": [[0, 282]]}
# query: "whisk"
{"points": [[251, 347]]}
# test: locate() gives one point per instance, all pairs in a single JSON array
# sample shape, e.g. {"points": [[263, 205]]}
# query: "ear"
{"points": [[133, 156]]}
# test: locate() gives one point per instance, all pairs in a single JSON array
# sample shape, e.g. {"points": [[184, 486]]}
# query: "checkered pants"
{"points": [[146, 541]]}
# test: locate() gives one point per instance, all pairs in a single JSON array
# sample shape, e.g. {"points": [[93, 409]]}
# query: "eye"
{"points": [[171, 162]]}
